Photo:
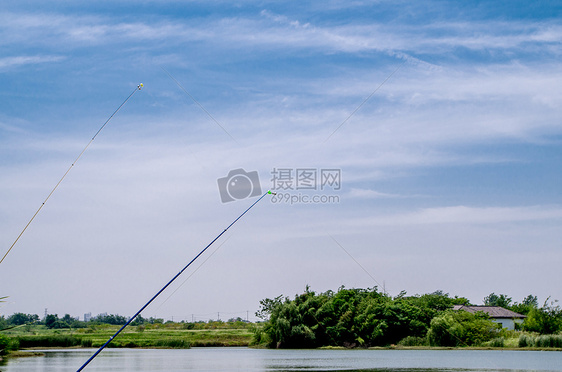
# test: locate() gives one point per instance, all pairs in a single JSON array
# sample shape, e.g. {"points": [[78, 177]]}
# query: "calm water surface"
{"points": [[244, 359]]}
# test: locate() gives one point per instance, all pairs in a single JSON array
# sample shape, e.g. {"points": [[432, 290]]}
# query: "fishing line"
{"points": [[170, 282], [190, 275], [68, 170], [365, 100], [198, 104], [357, 262]]}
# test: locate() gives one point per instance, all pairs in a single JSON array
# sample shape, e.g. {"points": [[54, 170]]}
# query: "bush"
{"points": [[544, 341], [546, 320], [497, 342], [5, 344], [414, 341], [548, 341], [526, 341], [461, 328], [49, 341]]}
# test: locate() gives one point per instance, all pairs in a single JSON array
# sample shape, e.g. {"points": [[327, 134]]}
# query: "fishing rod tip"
{"points": [[140, 86], [271, 192]]}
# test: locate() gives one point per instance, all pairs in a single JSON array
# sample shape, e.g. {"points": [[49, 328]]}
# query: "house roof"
{"points": [[492, 311]]}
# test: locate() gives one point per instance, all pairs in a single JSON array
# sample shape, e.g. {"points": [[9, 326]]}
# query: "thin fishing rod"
{"points": [[170, 282], [68, 170]]}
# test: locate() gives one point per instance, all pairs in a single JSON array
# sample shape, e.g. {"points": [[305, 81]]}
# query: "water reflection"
{"points": [[244, 359]]}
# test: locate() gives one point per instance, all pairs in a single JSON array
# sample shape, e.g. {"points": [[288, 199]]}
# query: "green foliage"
{"points": [[21, 318], [138, 320], [110, 319], [4, 344], [530, 302], [543, 341], [51, 321], [266, 307], [496, 342], [350, 317], [546, 320], [497, 300], [259, 337], [461, 328], [414, 341], [54, 340]]}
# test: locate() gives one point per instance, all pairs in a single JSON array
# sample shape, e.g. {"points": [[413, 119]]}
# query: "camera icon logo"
{"points": [[239, 184]]}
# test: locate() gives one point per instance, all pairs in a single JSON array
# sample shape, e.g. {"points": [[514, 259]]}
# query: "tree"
{"points": [[497, 300], [5, 344], [530, 302], [267, 305], [21, 318], [50, 320], [544, 320], [110, 319], [139, 320], [461, 328]]}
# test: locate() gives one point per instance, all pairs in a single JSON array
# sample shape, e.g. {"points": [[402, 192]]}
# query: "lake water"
{"points": [[244, 359]]}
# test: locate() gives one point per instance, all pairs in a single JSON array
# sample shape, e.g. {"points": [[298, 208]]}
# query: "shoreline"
{"points": [[33, 351]]}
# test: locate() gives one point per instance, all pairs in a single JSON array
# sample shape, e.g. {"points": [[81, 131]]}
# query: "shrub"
{"points": [[497, 342], [6, 344], [414, 341], [526, 341], [49, 341], [460, 328], [548, 341], [541, 341]]}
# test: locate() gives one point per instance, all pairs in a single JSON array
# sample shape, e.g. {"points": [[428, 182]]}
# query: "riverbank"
{"points": [[179, 336], [249, 359], [158, 336]]}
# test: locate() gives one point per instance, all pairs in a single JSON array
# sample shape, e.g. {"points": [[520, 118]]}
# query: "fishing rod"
{"points": [[170, 282], [68, 170]]}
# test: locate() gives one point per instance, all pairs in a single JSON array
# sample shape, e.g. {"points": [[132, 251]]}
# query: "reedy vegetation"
{"points": [[367, 317]]}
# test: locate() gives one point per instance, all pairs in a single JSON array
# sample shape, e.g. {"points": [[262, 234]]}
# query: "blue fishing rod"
{"points": [[170, 282]]}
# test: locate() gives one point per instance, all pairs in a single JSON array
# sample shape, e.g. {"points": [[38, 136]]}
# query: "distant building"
{"points": [[87, 317], [506, 318]]}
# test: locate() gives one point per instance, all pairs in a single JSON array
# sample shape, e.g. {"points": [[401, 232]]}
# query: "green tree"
{"points": [[267, 305], [497, 300], [544, 320], [5, 344], [51, 320], [139, 320], [21, 318], [530, 302], [461, 328], [113, 319]]}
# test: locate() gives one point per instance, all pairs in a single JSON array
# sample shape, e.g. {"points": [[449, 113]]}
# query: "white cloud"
{"points": [[369, 194], [465, 215], [16, 61], [277, 30]]}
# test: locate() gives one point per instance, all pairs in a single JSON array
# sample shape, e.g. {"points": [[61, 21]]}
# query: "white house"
{"points": [[506, 318]]}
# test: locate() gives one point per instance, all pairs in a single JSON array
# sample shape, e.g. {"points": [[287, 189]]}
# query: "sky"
{"points": [[413, 146]]}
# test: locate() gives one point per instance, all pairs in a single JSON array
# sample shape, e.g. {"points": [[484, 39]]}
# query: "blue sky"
{"points": [[450, 170]]}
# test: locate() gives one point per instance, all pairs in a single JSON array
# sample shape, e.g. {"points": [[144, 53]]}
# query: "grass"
{"points": [[162, 336], [182, 336]]}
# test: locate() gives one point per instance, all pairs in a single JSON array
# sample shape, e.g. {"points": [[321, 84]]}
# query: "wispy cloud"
{"points": [[278, 30], [10, 62], [370, 194], [467, 215]]}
